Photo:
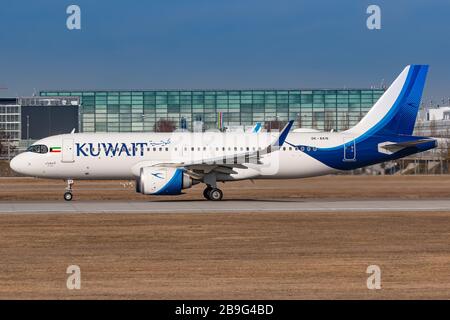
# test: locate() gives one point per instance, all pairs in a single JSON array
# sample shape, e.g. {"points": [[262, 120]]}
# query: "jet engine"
{"points": [[163, 181]]}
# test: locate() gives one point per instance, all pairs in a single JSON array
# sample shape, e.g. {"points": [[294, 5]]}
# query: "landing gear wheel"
{"points": [[68, 196], [215, 194], [206, 193]]}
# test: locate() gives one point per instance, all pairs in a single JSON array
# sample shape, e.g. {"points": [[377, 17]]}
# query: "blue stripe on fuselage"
{"points": [[366, 152]]}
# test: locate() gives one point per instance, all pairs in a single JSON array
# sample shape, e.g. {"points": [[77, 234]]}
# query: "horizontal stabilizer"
{"points": [[392, 147], [406, 144]]}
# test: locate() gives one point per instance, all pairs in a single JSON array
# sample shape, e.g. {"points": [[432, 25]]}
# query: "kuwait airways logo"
{"points": [[158, 175], [55, 149], [117, 149]]}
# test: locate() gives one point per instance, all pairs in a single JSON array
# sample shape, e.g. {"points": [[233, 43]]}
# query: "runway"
{"points": [[227, 206]]}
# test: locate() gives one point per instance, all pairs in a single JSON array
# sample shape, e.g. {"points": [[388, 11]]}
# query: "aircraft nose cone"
{"points": [[14, 164], [17, 164]]}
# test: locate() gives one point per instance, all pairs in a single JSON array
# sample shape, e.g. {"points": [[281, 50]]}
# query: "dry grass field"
{"points": [[295, 255]]}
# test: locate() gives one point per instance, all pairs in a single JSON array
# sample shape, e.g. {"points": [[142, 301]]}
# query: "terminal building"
{"points": [[196, 110], [27, 119], [43, 117], [10, 127]]}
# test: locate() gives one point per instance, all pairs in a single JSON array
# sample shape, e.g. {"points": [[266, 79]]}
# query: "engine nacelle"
{"points": [[162, 181]]}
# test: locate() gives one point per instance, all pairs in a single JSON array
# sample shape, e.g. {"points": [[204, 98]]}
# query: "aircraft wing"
{"points": [[226, 163]]}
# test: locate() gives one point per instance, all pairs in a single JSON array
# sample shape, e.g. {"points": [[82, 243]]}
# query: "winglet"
{"points": [[283, 134]]}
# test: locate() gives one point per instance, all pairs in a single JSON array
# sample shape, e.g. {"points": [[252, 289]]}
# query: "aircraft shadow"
{"points": [[234, 200]]}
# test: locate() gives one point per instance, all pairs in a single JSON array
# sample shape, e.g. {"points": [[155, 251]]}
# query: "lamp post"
{"points": [[28, 130]]}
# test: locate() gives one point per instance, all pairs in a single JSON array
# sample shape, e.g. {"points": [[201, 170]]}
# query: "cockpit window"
{"points": [[38, 148]]}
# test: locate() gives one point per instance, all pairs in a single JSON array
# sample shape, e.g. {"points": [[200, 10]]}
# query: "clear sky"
{"points": [[138, 44]]}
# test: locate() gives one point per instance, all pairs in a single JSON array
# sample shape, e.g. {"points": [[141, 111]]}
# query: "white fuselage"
{"points": [[121, 155]]}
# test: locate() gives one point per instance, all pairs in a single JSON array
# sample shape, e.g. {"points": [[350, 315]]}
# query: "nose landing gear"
{"points": [[68, 194]]}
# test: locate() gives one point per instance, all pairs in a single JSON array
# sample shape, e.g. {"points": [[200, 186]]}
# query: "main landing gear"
{"points": [[68, 194], [213, 194]]}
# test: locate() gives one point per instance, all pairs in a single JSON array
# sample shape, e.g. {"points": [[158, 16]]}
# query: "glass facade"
{"points": [[137, 111], [10, 127], [10, 121]]}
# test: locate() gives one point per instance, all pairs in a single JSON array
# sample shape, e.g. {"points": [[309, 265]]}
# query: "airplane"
{"points": [[168, 163]]}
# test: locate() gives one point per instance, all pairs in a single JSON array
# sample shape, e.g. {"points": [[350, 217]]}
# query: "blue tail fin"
{"points": [[408, 105], [396, 110]]}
